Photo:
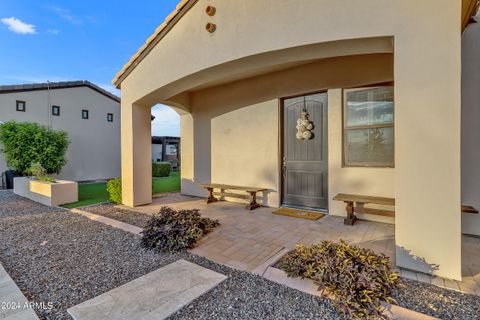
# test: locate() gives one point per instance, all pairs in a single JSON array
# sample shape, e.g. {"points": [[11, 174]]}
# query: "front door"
{"points": [[305, 167]]}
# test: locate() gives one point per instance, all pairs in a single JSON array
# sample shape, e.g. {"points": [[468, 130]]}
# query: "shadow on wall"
{"points": [[410, 261], [271, 179], [385, 245]]}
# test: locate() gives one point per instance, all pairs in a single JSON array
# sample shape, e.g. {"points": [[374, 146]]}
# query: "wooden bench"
{"points": [[251, 193], [355, 204]]}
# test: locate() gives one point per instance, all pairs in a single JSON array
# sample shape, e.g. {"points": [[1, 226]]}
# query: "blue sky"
{"points": [[78, 40]]}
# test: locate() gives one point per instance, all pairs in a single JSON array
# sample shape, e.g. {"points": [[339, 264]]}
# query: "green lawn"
{"points": [[167, 184], [97, 192]]}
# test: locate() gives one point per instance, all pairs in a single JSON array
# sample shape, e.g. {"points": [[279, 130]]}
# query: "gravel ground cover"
{"points": [[60, 257], [413, 295], [437, 302]]}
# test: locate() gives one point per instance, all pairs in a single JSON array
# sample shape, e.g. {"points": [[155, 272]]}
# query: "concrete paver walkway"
{"points": [[247, 240], [153, 296], [14, 305]]}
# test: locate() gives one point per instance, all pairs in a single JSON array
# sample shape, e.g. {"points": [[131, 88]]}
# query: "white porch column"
{"points": [[136, 140], [427, 145]]}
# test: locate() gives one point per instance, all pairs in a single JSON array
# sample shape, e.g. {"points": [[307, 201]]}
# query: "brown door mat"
{"points": [[296, 213]]}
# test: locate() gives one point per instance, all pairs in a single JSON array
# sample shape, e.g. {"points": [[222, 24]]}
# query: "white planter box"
{"points": [[48, 193]]}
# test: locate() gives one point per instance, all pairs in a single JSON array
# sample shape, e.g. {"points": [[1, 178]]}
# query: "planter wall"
{"points": [[47, 193]]}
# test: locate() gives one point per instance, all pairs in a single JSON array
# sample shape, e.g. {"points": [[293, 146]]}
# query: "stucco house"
{"points": [[89, 114], [381, 82]]}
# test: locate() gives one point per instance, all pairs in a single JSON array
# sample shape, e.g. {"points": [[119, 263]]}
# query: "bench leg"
{"points": [[211, 198], [351, 218], [253, 202]]}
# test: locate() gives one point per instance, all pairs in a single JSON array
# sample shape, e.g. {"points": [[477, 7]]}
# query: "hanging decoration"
{"points": [[304, 125]]}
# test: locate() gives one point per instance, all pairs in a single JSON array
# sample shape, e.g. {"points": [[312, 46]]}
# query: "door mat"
{"points": [[303, 214]]}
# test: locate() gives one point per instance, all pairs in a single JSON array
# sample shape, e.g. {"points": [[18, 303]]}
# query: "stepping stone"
{"points": [[153, 296]]}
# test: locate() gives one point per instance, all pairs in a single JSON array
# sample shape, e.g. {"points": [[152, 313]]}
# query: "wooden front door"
{"points": [[305, 166]]}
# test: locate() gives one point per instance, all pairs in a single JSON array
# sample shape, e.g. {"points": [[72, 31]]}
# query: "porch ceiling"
{"points": [[269, 62]]}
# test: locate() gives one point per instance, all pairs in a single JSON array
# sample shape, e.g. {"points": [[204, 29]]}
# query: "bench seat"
{"points": [[251, 193], [355, 204]]}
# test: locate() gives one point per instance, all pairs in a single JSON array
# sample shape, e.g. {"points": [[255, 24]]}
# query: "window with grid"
{"points": [[368, 127]]}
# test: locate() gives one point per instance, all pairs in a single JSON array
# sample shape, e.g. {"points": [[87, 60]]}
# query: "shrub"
{"points": [[359, 278], [39, 172], [114, 189], [171, 230], [161, 169], [27, 143]]}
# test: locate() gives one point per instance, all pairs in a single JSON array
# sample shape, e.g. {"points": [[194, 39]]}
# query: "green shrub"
{"points": [[27, 143], [39, 172], [172, 230], [359, 278], [114, 189], [161, 169]]}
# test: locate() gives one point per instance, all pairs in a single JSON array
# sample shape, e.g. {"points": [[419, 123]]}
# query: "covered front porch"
{"points": [[229, 94], [250, 241]]}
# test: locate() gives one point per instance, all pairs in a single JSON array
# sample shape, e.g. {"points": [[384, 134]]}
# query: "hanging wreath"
{"points": [[304, 126]]}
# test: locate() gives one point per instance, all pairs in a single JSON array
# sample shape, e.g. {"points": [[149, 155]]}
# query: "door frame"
{"points": [[281, 145]]}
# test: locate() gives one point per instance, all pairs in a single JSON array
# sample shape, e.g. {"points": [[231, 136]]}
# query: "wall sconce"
{"points": [[210, 10], [211, 27]]}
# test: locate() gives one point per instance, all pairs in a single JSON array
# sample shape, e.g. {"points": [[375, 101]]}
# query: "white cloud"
{"points": [[17, 26], [166, 123], [53, 31], [66, 15]]}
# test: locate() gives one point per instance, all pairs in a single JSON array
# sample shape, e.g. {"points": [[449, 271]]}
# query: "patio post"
{"points": [[136, 140], [427, 146]]}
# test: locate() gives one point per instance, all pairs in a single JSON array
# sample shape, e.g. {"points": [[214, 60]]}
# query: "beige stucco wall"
{"points": [[470, 127], [256, 36], [94, 151], [253, 160]]}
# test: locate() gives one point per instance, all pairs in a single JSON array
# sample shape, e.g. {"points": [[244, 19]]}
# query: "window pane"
{"points": [[369, 147], [20, 105], [370, 106]]}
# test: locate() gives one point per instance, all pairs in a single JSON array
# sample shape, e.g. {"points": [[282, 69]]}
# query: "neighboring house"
{"points": [[89, 114], [381, 81], [166, 149]]}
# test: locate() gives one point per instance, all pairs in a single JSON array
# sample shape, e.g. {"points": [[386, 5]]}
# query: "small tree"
{"points": [[24, 144]]}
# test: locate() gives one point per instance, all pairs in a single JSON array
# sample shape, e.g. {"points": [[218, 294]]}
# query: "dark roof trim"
{"points": [[57, 85], [159, 140]]}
